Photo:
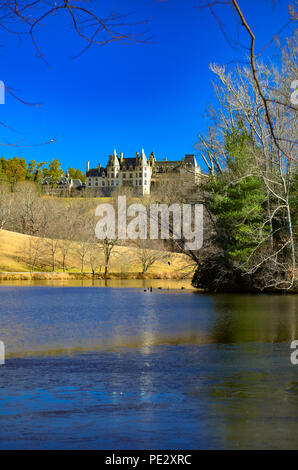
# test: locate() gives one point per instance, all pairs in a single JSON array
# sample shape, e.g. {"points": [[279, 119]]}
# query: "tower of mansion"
{"points": [[137, 172]]}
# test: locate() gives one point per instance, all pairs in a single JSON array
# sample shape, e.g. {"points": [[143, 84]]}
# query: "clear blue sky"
{"points": [[150, 95]]}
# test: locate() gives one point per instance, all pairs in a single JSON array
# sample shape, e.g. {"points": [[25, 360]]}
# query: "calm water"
{"points": [[119, 368]]}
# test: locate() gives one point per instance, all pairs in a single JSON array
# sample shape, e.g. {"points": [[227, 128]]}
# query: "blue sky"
{"points": [[151, 95]]}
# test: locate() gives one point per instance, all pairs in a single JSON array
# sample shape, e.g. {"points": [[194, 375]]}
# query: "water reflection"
{"points": [[265, 318], [123, 368], [126, 283], [256, 399], [41, 320]]}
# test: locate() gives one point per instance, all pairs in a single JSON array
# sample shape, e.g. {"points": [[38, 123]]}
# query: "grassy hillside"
{"points": [[14, 257]]}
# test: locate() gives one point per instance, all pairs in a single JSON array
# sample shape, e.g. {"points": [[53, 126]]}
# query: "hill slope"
{"points": [[15, 258]]}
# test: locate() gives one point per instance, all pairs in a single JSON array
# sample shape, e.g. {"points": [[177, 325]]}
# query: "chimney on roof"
{"points": [[121, 157], [99, 165], [88, 166], [164, 159], [137, 156]]}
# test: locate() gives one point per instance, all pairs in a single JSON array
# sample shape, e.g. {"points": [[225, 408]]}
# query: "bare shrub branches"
{"points": [[254, 66], [23, 17]]}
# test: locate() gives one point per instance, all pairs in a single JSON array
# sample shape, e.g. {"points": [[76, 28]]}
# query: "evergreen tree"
{"points": [[237, 199]]}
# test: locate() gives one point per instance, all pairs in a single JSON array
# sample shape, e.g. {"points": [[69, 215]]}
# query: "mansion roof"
{"points": [[141, 160], [96, 172], [126, 163]]}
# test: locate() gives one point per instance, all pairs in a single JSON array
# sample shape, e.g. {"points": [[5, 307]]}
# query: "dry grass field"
{"points": [[15, 259]]}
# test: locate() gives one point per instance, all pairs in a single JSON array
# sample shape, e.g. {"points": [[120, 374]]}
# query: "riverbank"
{"points": [[67, 276], [146, 285]]}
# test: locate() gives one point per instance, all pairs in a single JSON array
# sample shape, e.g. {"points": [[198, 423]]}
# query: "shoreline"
{"points": [[68, 276], [162, 281]]}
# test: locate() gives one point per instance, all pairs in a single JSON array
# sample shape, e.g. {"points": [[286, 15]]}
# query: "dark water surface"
{"points": [[119, 368]]}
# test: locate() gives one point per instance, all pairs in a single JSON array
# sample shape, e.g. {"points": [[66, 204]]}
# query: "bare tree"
{"points": [[6, 204], [261, 90], [240, 101], [28, 209], [107, 246], [50, 231], [85, 235], [34, 249], [83, 249], [149, 252], [67, 231], [93, 257]]}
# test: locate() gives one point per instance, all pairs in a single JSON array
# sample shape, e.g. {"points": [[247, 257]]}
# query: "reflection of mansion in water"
{"points": [[138, 173]]}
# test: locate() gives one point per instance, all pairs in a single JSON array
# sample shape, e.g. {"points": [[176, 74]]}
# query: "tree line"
{"points": [[14, 170], [63, 230], [250, 190], [251, 193]]}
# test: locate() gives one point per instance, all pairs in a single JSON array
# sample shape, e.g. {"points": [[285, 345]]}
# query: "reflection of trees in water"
{"points": [[254, 389], [255, 398], [266, 318]]}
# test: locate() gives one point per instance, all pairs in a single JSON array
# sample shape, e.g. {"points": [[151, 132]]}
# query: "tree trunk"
{"points": [[107, 259], [290, 232]]}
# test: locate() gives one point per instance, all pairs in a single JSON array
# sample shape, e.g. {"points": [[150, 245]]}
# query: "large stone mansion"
{"points": [[137, 173]]}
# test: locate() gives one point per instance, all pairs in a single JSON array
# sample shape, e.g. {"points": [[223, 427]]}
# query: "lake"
{"points": [[125, 368]]}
